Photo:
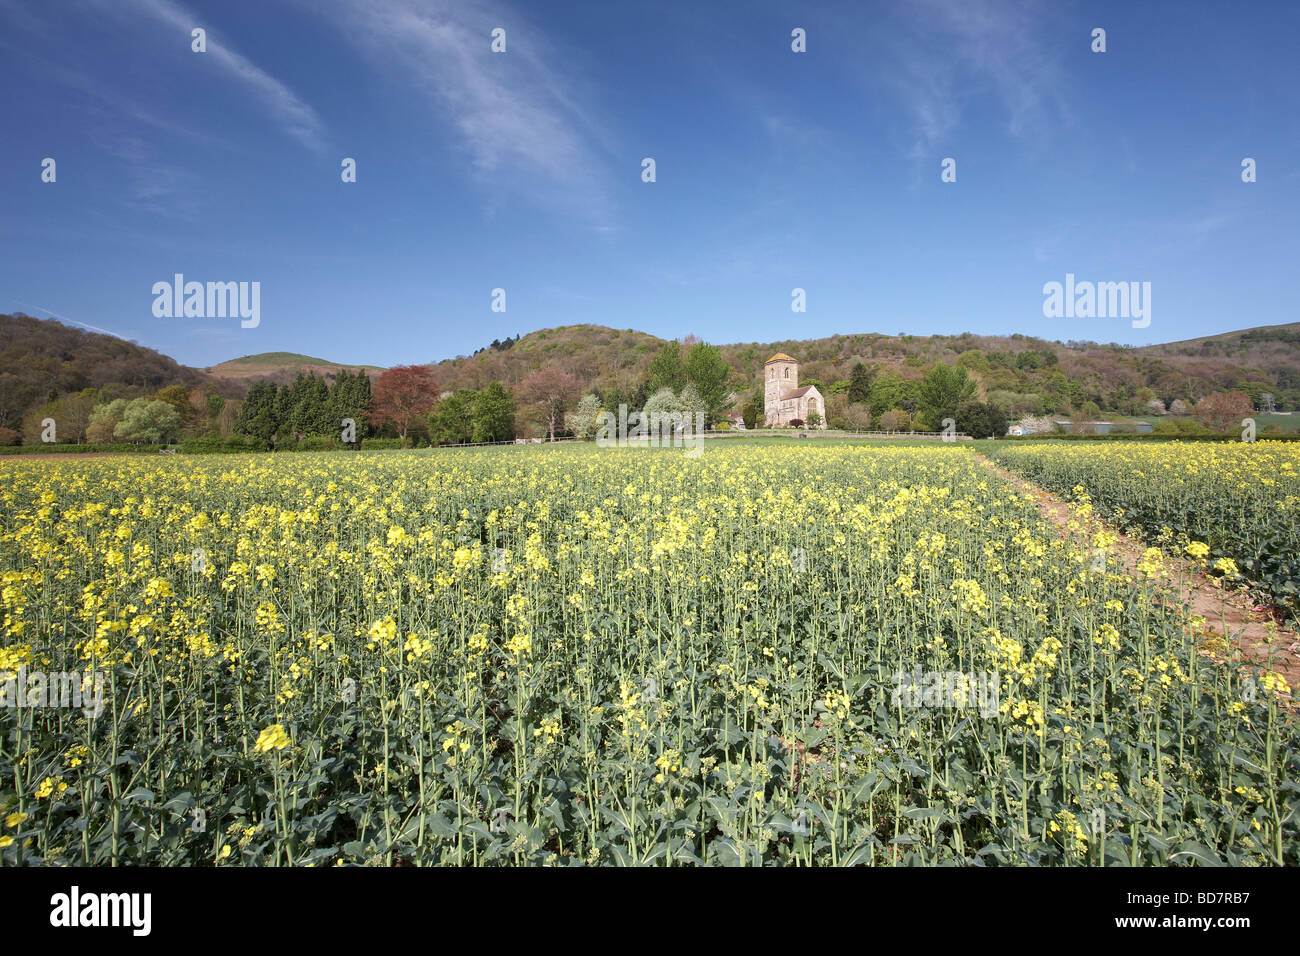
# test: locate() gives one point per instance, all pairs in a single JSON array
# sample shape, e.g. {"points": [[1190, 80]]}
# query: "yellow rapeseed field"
{"points": [[822, 655], [1240, 501]]}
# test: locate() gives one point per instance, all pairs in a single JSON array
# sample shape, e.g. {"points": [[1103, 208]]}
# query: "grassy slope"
{"points": [[280, 367]]}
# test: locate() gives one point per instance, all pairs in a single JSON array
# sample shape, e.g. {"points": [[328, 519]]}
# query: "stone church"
{"points": [[783, 400]]}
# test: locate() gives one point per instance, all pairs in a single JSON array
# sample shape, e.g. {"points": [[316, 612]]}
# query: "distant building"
{"points": [[1104, 428], [783, 400]]}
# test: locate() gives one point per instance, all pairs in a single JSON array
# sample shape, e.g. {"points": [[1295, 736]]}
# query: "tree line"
{"points": [[308, 408]]}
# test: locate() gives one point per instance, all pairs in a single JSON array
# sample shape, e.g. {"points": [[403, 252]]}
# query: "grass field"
{"points": [[822, 654], [1287, 423]]}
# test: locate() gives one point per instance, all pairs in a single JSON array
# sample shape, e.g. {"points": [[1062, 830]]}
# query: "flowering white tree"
{"points": [[691, 402], [1036, 426], [583, 422]]}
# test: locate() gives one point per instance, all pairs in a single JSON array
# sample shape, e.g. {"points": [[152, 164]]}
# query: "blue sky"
{"points": [[522, 170]]}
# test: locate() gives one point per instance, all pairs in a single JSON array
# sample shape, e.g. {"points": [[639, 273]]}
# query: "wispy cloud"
{"points": [[944, 54], [152, 185], [298, 119], [517, 114]]}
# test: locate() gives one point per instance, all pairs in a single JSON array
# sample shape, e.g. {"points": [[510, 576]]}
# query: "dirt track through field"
{"points": [[1252, 631]]}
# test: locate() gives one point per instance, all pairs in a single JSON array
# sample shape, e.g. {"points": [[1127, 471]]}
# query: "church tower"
{"points": [[780, 375]]}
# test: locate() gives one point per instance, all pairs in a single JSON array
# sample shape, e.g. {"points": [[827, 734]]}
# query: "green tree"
{"points": [[104, 420], [666, 369], [860, 384], [146, 420], [257, 415], [494, 414], [452, 420], [980, 420], [942, 390], [615, 396], [890, 390], [350, 399], [265, 418], [178, 397], [310, 412], [709, 373]]}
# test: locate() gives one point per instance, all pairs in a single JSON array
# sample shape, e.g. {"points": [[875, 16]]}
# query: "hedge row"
{"points": [[241, 444], [87, 449], [231, 445]]}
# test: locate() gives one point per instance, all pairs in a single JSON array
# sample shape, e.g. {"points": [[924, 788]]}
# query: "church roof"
{"points": [[778, 357], [798, 392]]}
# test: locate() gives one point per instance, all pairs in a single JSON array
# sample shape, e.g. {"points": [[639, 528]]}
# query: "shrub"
{"points": [[68, 448], [215, 444]]}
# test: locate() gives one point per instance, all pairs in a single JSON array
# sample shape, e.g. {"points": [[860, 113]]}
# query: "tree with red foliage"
{"points": [[1223, 410], [552, 391], [404, 394]]}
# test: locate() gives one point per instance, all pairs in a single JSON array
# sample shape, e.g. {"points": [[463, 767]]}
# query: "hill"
{"points": [[1026, 375], [281, 368], [41, 359]]}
